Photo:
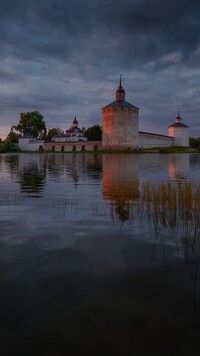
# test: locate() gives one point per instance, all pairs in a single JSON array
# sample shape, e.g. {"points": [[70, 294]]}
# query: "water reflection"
{"points": [[172, 212], [120, 184], [31, 171], [153, 166], [169, 210], [74, 166], [32, 174], [94, 166], [12, 163], [68, 276], [179, 165]]}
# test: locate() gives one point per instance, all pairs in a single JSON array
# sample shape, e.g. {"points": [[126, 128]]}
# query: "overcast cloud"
{"points": [[64, 57]]}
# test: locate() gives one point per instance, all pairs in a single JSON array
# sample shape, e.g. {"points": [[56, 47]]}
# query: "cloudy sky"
{"points": [[64, 57]]}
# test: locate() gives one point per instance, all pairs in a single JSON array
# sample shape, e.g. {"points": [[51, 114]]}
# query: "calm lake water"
{"points": [[80, 272]]}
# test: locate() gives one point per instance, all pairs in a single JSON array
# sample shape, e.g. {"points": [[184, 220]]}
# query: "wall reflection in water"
{"points": [[75, 167], [34, 171], [120, 184]]}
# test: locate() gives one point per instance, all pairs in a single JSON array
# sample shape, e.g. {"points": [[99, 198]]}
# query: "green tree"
{"points": [[52, 132], [12, 137], [8, 147], [34, 120], [194, 142], [94, 133]]}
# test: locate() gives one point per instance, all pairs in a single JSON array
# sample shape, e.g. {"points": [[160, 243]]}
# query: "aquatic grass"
{"points": [[64, 205], [169, 202], [172, 211], [169, 209]]}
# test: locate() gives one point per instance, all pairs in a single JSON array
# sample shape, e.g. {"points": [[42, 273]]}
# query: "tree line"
{"points": [[33, 122], [194, 142]]}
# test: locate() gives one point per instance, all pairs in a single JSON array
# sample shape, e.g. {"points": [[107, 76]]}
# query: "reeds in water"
{"points": [[168, 208], [170, 204]]}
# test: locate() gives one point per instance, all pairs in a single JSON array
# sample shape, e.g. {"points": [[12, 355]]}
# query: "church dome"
{"points": [[75, 122], [178, 123]]}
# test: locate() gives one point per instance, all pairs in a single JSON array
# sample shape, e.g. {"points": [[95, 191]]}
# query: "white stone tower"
{"points": [[120, 124], [180, 132]]}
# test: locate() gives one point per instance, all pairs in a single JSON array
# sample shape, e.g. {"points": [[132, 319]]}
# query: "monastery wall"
{"points": [[149, 140], [72, 146], [27, 144]]}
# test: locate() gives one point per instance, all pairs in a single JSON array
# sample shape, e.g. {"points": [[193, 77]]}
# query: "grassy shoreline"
{"points": [[160, 150]]}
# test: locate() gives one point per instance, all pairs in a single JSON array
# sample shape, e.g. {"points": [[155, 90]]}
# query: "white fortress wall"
{"points": [[27, 144], [149, 140], [73, 146]]}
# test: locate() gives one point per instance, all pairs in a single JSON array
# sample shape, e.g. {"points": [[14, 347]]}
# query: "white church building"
{"points": [[73, 134]]}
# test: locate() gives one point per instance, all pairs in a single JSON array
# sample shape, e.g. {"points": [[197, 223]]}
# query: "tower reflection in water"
{"points": [[120, 184], [179, 165]]}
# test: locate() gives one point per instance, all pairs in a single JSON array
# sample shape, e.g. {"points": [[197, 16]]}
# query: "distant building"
{"points": [[120, 123], [120, 129], [28, 142], [72, 135], [180, 132]]}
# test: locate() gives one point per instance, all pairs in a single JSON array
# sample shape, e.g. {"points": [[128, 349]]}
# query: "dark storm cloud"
{"points": [[68, 54], [134, 31]]}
